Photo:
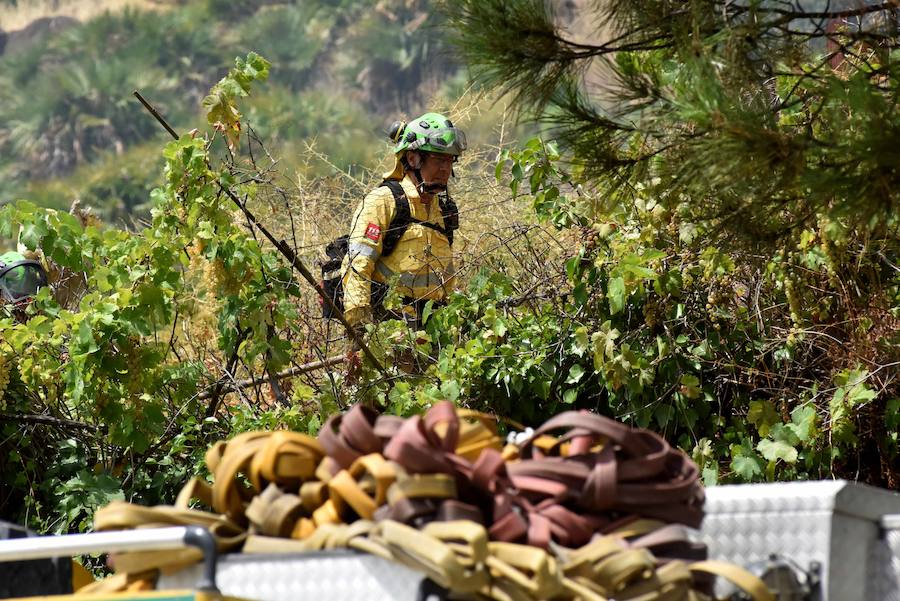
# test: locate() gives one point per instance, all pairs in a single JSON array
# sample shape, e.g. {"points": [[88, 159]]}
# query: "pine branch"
{"points": [[834, 14], [730, 106]]}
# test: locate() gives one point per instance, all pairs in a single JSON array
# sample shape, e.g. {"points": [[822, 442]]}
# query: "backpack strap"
{"points": [[403, 218], [450, 213]]}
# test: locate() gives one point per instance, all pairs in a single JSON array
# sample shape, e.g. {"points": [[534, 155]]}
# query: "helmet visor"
{"points": [[22, 281], [451, 139]]}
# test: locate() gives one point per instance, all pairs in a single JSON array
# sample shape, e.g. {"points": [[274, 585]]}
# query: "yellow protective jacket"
{"points": [[421, 265]]}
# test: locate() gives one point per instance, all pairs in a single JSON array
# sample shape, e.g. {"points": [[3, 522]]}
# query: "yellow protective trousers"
{"points": [[421, 265]]}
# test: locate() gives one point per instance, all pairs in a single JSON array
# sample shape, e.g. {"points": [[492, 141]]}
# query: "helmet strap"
{"points": [[426, 188]]}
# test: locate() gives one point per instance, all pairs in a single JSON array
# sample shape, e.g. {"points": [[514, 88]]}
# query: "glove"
{"points": [[358, 318], [354, 354], [360, 331]]}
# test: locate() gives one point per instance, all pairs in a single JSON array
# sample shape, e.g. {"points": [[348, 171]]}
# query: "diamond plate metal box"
{"points": [[886, 560], [851, 530], [835, 523], [316, 576]]}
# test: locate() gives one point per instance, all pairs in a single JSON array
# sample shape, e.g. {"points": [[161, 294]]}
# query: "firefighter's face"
{"points": [[435, 168]]}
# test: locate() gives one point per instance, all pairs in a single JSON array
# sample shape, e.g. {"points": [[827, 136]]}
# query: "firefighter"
{"points": [[20, 280], [390, 245]]}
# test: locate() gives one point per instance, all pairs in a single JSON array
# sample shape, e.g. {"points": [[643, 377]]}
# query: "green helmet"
{"points": [[20, 278], [432, 132]]}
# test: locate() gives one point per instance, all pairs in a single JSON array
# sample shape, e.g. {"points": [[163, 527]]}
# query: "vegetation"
{"points": [[734, 167], [94, 365], [675, 259], [126, 370], [66, 104], [764, 118]]}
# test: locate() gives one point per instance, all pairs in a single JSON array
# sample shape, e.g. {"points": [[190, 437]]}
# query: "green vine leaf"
{"points": [[773, 450], [617, 295], [804, 423], [747, 467], [763, 415], [221, 103]]}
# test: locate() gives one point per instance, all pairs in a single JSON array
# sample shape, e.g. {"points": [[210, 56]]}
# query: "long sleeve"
{"points": [[369, 225]]}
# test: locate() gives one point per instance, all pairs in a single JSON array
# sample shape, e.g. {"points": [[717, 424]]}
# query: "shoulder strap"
{"points": [[403, 218], [450, 213]]}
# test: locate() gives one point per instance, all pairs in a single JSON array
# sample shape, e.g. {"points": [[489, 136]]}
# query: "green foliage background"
{"points": [[734, 166], [70, 128]]}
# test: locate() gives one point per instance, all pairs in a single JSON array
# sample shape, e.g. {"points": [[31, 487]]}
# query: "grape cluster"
{"points": [[589, 238], [5, 372], [214, 276]]}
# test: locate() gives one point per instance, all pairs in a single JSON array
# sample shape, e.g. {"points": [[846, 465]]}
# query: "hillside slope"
{"points": [[69, 127], [16, 15]]}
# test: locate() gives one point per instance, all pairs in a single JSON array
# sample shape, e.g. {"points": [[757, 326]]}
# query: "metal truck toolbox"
{"points": [[317, 576], [886, 560], [852, 531], [835, 523]]}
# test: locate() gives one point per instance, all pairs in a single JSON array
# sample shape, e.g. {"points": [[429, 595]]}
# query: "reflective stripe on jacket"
{"points": [[421, 265]]}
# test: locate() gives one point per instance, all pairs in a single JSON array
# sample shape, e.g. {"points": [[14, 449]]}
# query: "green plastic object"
{"points": [[20, 278]]}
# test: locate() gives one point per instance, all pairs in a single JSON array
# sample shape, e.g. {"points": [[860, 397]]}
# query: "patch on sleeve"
{"points": [[373, 232]]}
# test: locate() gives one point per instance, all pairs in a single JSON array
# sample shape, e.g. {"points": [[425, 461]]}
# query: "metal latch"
{"points": [[787, 580]]}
